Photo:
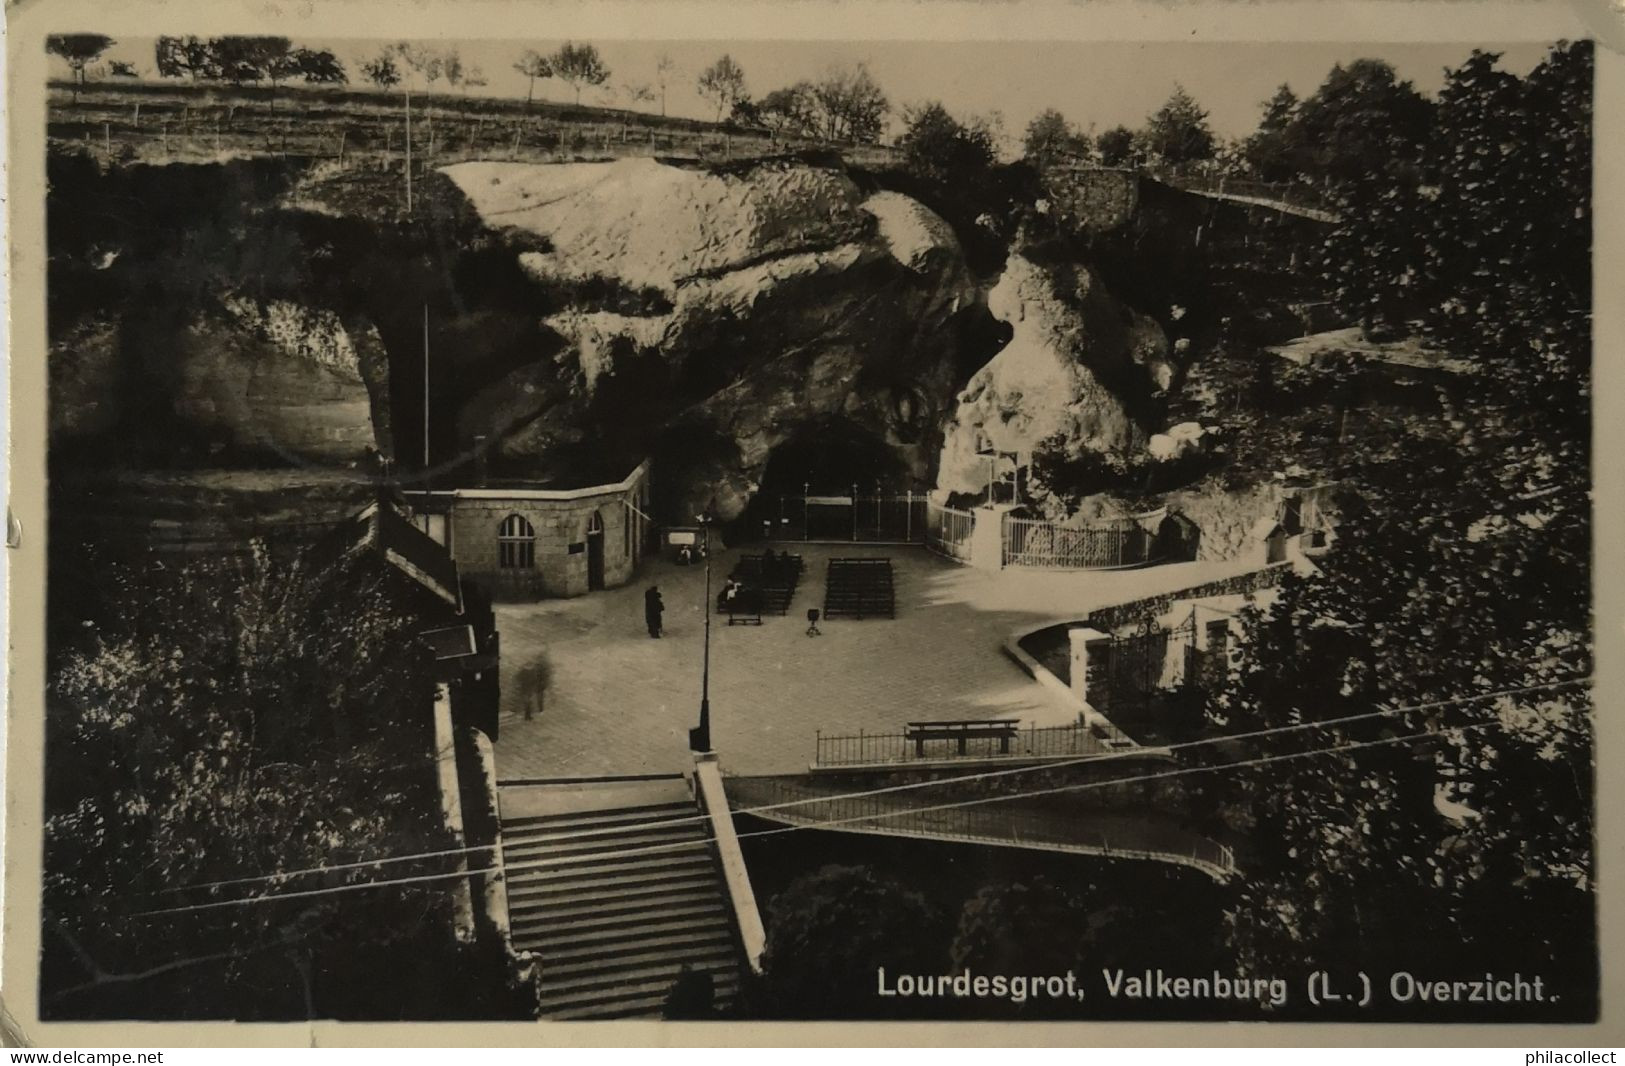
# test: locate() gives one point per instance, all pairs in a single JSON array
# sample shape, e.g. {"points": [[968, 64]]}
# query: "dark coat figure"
{"points": [[692, 996], [652, 610]]}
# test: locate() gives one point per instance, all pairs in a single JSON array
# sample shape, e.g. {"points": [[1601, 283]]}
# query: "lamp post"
{"points": [[699, 738]]}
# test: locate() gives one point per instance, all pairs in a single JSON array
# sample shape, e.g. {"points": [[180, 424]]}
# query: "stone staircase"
{"points": [[614, 887]]}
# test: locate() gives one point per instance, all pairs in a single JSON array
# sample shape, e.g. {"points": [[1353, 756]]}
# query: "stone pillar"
{"points": [[1083, 638], [987, 537]]}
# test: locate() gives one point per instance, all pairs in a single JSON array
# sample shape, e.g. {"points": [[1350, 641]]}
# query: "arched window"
{"points": [[516, 544], [595, 524]]}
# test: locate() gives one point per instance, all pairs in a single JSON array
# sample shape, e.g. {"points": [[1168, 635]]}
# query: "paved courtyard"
{"points": [[616, 702]]}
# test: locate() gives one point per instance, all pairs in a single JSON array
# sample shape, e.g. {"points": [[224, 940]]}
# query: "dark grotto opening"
{"points": [[832, 458]]}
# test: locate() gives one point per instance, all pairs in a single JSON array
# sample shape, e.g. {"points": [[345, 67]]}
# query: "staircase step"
{"points": [[645, 866], [629, 903], [631, 954], [646, 1005], [632, 950], [655, 978], [526, 845], [585, 929], [615, 886], [542, 859], [617, 816]]}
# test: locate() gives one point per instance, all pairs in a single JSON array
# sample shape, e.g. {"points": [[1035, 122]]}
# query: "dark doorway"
{"points": [[807, 489], [595, 551]]}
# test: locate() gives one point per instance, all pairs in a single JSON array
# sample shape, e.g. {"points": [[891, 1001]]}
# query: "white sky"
{"points": [[1093, 84]]}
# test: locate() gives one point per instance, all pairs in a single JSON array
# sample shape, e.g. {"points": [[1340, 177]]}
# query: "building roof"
{"points": [[411, 551], [504, 489]]}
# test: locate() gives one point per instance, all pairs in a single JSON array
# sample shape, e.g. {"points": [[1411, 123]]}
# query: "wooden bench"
{"points": [[962, 730], [745, 609]]}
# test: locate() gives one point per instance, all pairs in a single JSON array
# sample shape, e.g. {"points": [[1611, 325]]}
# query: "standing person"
{"points": [[653, 608]]}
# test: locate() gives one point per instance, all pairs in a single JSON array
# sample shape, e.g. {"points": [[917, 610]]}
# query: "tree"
{"points": [[241, 59], [637, 93], [1268, 150], [79, 49], [722, 85], [429, 64], [533, 66], [1361, 117], [939, 147], [1051, 138], [580, 66], [1350, 856], [851, 105], [120, 69], [319, 67], [1503, 177], [230, 719], [1006, 928], [830, 930], [1462, 569], [452, 67], [187, 57], [382, 71], [1116, 147], [1178, 133], [665, 71], [791, 110]]}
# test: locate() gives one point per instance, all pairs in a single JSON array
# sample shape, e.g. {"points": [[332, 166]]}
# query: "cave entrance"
{"points": [[834, 480]]}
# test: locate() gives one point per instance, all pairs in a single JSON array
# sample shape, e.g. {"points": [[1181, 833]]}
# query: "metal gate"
{"points": [[896, 518], [1132, 667]]}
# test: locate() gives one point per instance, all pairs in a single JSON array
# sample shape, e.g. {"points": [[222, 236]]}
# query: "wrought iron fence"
{"points": [[886, 518], [948, 531], [1044, 545], [993, 821], [862, 749]]}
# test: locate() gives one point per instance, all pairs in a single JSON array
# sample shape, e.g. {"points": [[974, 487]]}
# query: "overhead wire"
{"points": [[1096, 758]]}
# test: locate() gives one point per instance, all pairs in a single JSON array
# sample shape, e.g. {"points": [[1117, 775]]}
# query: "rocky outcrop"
{"points": [[736, 310], [1076, 363], [262, 379], [279, 378]]}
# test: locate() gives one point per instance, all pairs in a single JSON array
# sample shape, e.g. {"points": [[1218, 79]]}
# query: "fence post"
{"points": [[908, 517], [854, 512]]}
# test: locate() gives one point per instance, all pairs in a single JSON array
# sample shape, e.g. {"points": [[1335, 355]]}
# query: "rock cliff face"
{"points": [[276, 379], [715, 316], [1076, 359]]}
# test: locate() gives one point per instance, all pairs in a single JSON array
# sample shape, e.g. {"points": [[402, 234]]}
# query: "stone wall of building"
{"points": [[562, 551]]}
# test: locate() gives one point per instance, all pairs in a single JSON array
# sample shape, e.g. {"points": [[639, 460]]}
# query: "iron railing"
{"points": [[991, 821], [885, 518], [1034, 742], [1045, 545], [949, 530]]}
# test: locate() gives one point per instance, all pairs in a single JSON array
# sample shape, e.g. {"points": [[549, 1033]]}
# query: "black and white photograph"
{"points": [[733, 529]]}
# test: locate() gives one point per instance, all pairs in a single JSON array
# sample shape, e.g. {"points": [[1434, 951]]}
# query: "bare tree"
{"points": [[637, 93], [665, 71], [851, 105], [722, 84], [533, 66]]}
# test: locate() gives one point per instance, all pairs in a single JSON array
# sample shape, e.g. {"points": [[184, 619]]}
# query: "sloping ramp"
{"points": [[924, 813]]}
